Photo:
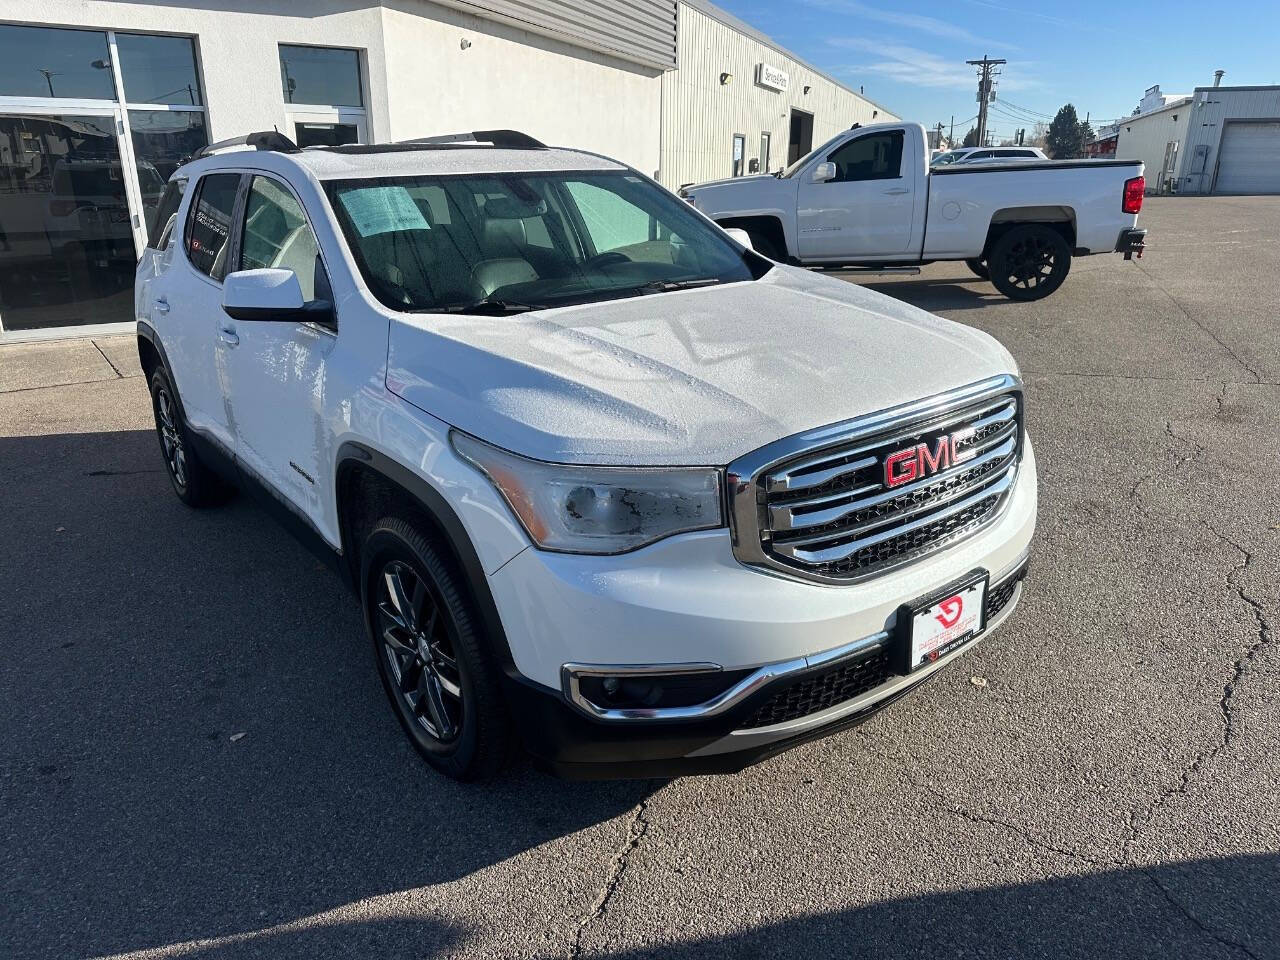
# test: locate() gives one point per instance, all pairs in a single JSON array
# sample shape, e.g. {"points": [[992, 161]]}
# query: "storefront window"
{"points": [[49, 62], [162, 139], [158, 69], [320, 75]]}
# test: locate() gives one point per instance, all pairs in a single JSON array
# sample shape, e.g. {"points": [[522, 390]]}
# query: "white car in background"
{"points": [[987, 155]]}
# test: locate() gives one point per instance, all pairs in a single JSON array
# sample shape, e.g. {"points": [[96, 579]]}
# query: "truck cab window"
{"points": [[877, 156]]}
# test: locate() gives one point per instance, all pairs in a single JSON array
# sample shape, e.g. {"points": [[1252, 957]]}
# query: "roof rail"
{"points": [[272, 140], [512, 139]]}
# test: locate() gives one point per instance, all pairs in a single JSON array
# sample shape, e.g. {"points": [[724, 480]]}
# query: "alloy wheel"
{"points": [[1030, 262], [175, 453], [418, 643]]}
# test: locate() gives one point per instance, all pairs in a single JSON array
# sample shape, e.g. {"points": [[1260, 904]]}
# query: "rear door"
{"points": [[184, 302], [868, 210], [275, 372]]}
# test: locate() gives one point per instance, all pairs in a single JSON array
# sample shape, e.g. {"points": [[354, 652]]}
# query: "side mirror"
{"points": [[823, 172], [271, 295], [740, 235]]}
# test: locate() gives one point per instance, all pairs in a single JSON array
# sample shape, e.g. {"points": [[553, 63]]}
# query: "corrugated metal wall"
{"points": [[1146, 137], [1209, 115], [701, 115], [643, 31]]}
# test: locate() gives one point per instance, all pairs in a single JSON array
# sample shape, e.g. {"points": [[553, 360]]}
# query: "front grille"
{"points": [[828, 512], [842, 682]]}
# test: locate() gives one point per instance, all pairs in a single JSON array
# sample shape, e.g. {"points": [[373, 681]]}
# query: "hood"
{"points": [[698, 376], [753, 178]]}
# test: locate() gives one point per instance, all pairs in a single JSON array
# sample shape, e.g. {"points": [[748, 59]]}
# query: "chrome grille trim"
{"points": [[804, 505]]}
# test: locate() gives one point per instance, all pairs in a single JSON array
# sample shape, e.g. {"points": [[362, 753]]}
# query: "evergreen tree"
{"points": [[1065, 140], [970, 138]]}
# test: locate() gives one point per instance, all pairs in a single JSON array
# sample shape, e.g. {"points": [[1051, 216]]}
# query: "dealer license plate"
{"points": [[946, 621]]}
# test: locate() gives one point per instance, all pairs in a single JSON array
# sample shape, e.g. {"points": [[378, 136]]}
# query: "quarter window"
{"points": [[877, 156], [277, 235], [160, 226], [209, 225]]}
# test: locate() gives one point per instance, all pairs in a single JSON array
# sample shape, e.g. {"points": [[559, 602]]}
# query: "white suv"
{"points": [[608, 484]]}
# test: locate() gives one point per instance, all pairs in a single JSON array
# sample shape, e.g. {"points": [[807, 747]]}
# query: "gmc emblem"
{"points": [[918, 462]]}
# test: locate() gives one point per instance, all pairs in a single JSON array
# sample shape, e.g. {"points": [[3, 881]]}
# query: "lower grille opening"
{"points": [[843, 682]]}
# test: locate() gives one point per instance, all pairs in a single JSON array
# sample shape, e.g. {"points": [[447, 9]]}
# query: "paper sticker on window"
{"points": [[376, 210]]}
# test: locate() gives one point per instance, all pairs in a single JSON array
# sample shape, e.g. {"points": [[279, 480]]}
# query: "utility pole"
{"points": [[986, 91], [937, 140], [951, 140]]}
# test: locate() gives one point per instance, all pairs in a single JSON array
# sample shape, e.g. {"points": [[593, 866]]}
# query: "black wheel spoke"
{"points": [[399, 596], [433, 703]]}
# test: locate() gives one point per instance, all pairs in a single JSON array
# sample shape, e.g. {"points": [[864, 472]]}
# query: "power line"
{"points": [[1036, 113]]}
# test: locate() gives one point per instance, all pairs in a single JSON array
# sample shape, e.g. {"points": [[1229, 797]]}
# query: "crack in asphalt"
{"points": [[110, 364], [1199, 924], [636, 830], [1257, 377]]}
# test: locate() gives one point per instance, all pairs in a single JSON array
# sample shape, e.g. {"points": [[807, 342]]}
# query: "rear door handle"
{"points": [[897, 191], [162, 305], [229, 336]]}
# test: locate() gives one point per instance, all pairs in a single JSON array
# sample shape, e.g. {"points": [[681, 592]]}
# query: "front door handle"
{"points": [[229, 336], [162, 305], [897, 191]]}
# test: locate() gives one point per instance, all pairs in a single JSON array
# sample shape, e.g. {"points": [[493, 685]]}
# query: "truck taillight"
{"points": [[1133, 191]]}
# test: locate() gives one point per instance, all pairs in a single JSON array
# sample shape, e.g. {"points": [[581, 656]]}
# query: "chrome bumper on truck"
{"points": [[1132, 242]]}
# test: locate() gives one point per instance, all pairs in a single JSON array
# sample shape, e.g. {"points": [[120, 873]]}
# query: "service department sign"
{"points": [[771, 78]]}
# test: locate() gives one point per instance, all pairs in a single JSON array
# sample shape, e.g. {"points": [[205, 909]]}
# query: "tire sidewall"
{"points": [[387, 543], [1000, 253], [160, 382]]}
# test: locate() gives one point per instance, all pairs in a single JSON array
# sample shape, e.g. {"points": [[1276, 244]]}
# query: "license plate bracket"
{"points": [[943, 621]]}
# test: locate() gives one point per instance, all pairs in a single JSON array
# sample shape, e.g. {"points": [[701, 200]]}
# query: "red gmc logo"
{"points": [[918, 462]]}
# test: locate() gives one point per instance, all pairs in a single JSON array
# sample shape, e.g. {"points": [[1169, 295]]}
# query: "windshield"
{"points": [[525, 241], [792, 170]]}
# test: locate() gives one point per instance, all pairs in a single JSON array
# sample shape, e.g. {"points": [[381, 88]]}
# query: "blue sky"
{"points": [[1101, 56]]}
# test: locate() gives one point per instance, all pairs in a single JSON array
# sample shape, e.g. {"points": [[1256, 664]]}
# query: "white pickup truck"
{"points": [[868, 198]]}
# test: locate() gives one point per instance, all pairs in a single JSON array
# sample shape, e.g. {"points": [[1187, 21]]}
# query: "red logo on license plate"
{"points": [[951, 610]]}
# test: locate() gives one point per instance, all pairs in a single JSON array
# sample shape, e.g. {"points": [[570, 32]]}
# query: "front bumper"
{"points": [[686, 601]]}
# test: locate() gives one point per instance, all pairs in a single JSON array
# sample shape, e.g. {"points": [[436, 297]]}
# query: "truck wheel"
{"points": [[764, 245], [424, 626], [1029, 262], [194, 483], [979, 268]]}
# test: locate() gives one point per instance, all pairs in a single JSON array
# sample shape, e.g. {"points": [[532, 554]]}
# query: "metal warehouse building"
{"points": [[101, 99], [1220, 140]]}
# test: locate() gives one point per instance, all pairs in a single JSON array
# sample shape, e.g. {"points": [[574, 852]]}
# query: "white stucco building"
{"points": [[101, 99]]}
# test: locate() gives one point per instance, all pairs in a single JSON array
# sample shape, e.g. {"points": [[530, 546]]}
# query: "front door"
{"points": [[276, 372], [67, 251], [866, 209]]}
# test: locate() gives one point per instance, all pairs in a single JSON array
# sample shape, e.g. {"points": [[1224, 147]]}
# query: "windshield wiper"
{"points": [[666, 286], [488, 306]]}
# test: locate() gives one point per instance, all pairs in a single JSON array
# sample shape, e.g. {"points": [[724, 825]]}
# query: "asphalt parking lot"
{"points": [[197, 760]]}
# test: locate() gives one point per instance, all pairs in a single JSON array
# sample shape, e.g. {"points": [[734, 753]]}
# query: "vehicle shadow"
{"points": [[196, 743], [968, 293]]}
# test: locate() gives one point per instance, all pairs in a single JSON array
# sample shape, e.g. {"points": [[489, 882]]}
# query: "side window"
{"points": [[277, 235], [166, 212], [611, 220], [877, 156], [981, 155], [209, 223]]}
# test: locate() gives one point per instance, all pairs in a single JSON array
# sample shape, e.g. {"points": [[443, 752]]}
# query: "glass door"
{"points": [[67, 251]]}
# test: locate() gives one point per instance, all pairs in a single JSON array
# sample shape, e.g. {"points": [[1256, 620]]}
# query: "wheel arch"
{"points": [[368, 485], [766, 224], [1059, 218]]}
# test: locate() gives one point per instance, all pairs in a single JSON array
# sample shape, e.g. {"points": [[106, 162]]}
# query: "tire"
{"points": [[1029, 262], [442, 684], [765, 245], [979, 268], [194, 483]]}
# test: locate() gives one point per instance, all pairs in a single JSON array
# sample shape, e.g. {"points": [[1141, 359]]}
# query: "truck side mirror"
{"points": [[823, 172], [741, 236], [271, 295]]}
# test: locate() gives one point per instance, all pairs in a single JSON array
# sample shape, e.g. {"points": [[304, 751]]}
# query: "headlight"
{"points": [[577, 509]]}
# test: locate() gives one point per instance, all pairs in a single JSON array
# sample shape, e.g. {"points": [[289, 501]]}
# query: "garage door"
{"points": [[1249, 161]]}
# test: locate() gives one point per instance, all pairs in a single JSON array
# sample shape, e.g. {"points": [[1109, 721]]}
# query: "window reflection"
{"points": [[48, 62], [320, 75], [158, 69]]}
